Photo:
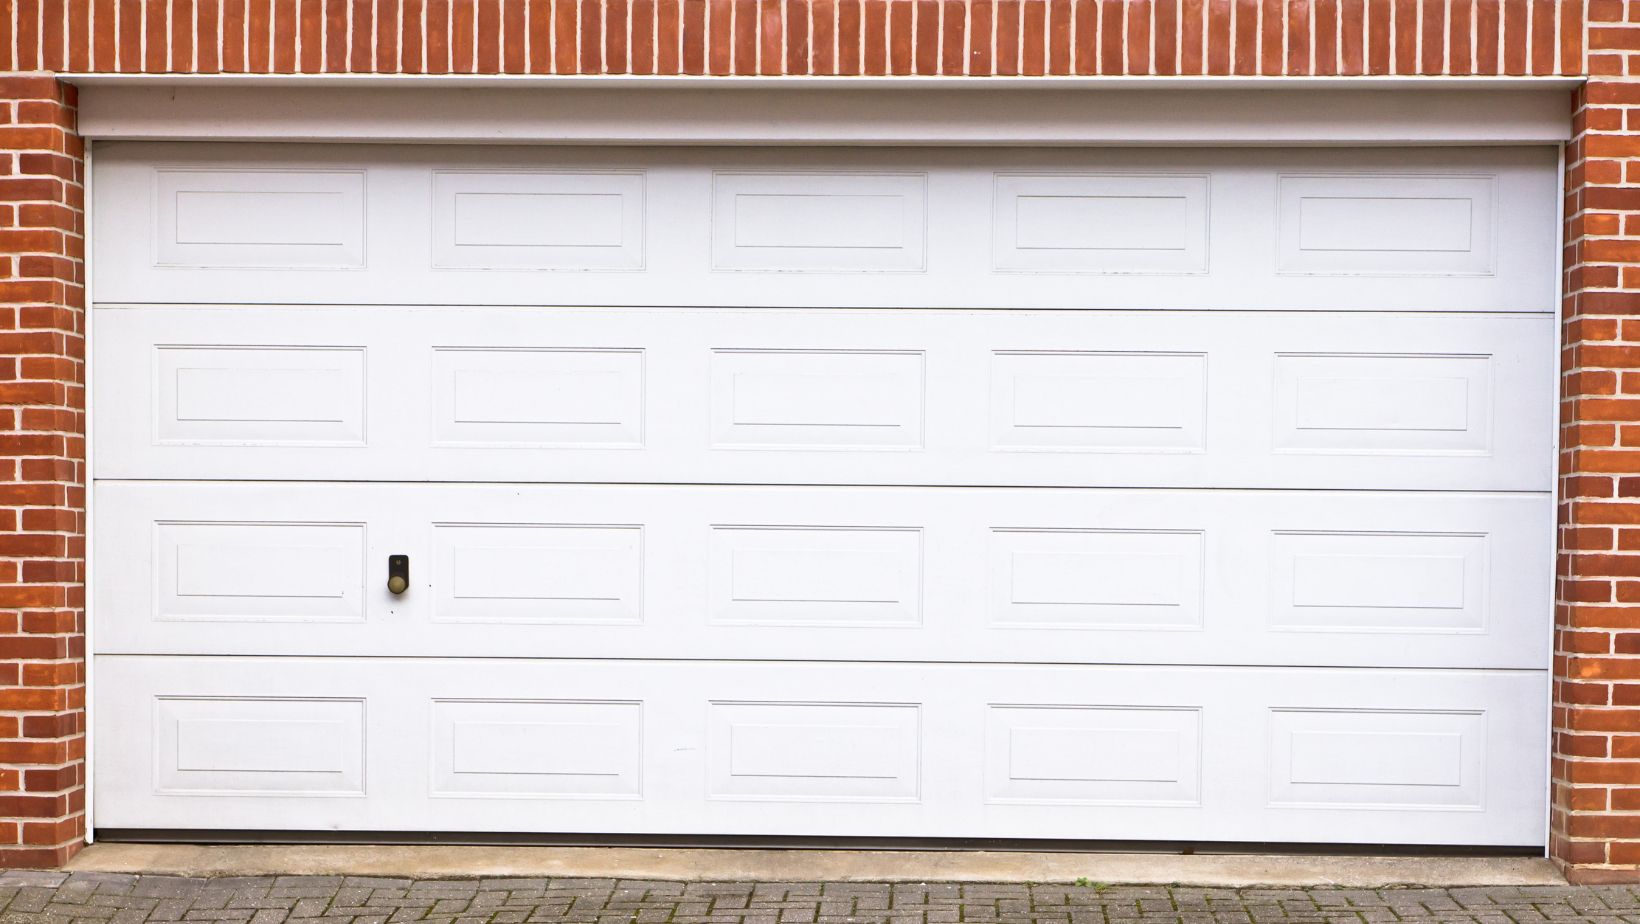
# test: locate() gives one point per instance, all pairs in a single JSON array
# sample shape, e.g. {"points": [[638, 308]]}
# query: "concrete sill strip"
{"points": [[702, 864]]}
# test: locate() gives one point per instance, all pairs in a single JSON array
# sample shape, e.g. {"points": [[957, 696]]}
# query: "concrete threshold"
{"points": [[809, 865]]}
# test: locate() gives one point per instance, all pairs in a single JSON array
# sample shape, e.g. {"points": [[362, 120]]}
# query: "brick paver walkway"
{"points": [[101, 898]]}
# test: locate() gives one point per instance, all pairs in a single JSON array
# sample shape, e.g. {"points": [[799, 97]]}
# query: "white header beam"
{"points": [[797, 111]]}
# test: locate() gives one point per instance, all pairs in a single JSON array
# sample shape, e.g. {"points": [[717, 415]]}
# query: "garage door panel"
{"points": [[310, 395], [591, 220], [1283, 577], [238, 218], [1391, 225], [1298, 230], [1148, 753], [773, 396], [1197, 495]]}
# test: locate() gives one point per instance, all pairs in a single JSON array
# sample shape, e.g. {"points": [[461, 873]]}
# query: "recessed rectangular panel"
{"points": [[818, 222], [1099, 402], [1095, 579], [789, 576], [259, 218], [565, 749], [273, 746], [1383, 403], [1350, 758], [551, 221], [1093, 754], [591, 399], [817, 399], [1386, 225], [528, 573], [814, 751], [259, 396], [1389, 582], [297, 572], [1100, 224]]}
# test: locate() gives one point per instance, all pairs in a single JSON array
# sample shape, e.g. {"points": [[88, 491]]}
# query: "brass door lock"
{"points": [[398, 574]]}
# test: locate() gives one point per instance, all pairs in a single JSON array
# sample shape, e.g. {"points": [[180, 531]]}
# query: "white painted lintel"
{"points": [[852, 111]]}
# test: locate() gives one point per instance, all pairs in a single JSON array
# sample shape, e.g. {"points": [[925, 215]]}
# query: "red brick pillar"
{"points": [[42, 474], [1595, 819]]}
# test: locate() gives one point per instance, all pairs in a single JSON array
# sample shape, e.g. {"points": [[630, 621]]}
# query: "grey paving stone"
{"points": [[13, 878], [28, 897]]}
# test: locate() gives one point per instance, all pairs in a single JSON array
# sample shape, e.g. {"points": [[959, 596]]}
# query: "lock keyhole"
{"points": [[398, 574]]}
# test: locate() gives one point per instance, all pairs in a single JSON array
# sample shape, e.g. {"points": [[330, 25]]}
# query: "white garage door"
{"points": [[1155, 495]]}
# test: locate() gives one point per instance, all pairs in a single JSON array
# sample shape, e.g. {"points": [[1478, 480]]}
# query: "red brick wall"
{"points": [[977, 37], [1595, 801], [1596, 797], [42, 475]]}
